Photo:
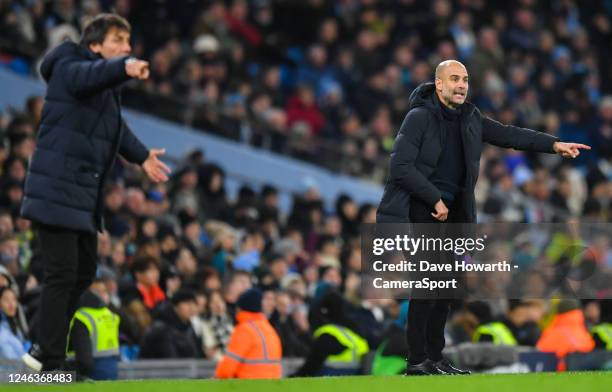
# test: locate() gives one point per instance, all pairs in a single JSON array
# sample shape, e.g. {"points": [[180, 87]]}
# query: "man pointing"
{"points": [[81, 133], [434, 167]]}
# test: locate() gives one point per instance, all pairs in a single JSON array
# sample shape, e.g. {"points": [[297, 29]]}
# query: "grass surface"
{"points": [[539, 382]]}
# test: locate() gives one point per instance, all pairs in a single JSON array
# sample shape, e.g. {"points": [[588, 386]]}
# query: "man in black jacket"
{"points": [[171, 335], [433, 171], [81, 132]]}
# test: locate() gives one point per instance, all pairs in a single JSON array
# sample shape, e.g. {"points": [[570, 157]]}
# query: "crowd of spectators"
{"points": [[322, 79], [260, 73], [167, 243]]}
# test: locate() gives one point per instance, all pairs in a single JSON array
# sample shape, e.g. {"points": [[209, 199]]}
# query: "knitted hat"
{"points": [[250, 300]]}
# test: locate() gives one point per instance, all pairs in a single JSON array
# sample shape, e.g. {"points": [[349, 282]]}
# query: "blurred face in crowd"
{"points": [[268, 301], [369, 216], [135, 201], [104, 244], [451, 83], [354, 259], [283, 304], [311, 274], [592, 312], [186, 310], [114, 198], [238, 285], [8, 303], [17, 170], [227, 241], [115, 44], [333, 226], [186, 263], [272, 78], [213, 282], [149, 228], [118, 254], [306, 95], [332, 276], [298, 287], [6, 225], [149, 277], [278, 268], [200, 303], [217, 304], [173, 284], [9, 252], [100, 289]]}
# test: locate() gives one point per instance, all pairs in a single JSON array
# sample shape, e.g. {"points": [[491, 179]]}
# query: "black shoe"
{"points": [[33, 358], [446, 366], [425, 368]]}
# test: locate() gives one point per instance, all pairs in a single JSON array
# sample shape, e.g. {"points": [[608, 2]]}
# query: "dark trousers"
{"points": [[69, 266], [426, 317]]}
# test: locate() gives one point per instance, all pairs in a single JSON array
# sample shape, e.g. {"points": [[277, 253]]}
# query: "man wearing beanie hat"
{"points": [[254, 350]]}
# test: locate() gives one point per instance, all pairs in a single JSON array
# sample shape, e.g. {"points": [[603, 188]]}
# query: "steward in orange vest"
{"points": [[254, 350], [567, 333]]}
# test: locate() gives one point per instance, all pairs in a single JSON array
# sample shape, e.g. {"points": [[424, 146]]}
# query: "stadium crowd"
{"points": [[321, 79], [175, 258], [259, 73]]}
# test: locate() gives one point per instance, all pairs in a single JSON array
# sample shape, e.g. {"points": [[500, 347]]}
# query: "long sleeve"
{"points": [[238, 346], [324, 346], [402, 163], [83, 352], [131, 148], [509, 136], [87, 77]]}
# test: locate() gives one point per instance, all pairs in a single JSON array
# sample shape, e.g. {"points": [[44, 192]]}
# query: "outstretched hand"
{"points": [[156, 170], [569, 150]]}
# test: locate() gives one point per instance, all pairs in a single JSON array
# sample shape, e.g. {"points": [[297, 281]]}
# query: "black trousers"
{"points": [[69, 267], [426, 317]]}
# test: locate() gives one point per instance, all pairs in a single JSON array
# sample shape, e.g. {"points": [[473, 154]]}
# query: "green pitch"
{"points": [[537, 382]]}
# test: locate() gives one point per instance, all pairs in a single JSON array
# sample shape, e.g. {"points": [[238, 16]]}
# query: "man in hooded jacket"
{"points": [[81, 133], [434, 167]]}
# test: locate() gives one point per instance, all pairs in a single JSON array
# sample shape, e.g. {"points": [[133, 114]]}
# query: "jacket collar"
{"points": [[572, 318], [244, 317]]}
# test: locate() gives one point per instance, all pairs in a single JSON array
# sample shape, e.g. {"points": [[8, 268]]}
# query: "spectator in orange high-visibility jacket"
{"points": [[567, 333], [254, 350]]}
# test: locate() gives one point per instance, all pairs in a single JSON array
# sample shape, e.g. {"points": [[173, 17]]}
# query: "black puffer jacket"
{"points": [[419, 143], [80, 134], [169, 337]]}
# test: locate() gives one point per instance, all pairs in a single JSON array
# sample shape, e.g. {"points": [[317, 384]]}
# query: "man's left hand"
{"points": [[569, 150], [156, 170]]}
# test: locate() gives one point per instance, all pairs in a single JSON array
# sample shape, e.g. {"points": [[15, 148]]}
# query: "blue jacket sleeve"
{"points": [[509, 136], [131, 148], [87, 77], [403, 171]]}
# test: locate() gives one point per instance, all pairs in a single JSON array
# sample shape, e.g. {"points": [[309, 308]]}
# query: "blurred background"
{"points": [[279, 117]]}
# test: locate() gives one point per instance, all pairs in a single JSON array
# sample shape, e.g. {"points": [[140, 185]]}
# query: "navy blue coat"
{"points": [[418, 146], [81, 132]]}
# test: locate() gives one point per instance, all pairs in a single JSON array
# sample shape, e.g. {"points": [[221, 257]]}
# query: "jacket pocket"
{"points": [[88, 178]]}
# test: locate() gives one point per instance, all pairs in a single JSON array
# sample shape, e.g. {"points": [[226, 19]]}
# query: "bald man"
{"points": [[433, 171]]}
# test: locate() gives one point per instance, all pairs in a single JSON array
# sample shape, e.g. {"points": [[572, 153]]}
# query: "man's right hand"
{"points": [[441, 213], [138, 69]]}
